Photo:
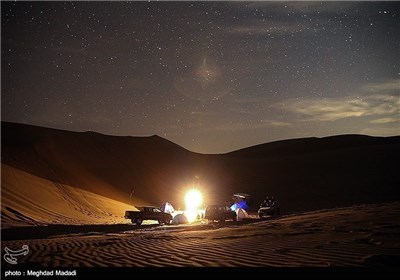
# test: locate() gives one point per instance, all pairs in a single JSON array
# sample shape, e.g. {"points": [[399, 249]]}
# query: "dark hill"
{"points": [[303, 174]]}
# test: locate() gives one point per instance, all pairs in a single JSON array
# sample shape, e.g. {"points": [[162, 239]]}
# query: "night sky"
{"points": [[211, 76]]}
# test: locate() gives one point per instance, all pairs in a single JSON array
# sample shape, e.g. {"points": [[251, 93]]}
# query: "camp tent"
{"points": [[240, 205], [179, 219], [241, 214], [241, 200], [167, 208]]}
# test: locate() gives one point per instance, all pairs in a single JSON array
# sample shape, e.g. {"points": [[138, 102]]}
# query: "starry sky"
{"points": [[212, 77]]}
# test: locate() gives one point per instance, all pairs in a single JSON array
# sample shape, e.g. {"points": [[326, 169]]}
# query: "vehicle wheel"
{"points": [[139, 222], [160, 222], [167, 222]]}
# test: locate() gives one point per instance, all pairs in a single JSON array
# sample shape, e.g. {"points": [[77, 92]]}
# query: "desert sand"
{"points": [[29, 200], [64, 195], [51, 176], [364, 235]]}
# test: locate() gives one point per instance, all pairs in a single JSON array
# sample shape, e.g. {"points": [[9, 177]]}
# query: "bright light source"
{"points": [[191, 215], [193, 200]]}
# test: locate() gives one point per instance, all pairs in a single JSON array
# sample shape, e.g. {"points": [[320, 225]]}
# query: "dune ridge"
{"points": [[88, 177], [30, 200]]}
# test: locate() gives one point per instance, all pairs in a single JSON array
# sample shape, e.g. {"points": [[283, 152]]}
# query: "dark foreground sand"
{"points": [[365, 235]]}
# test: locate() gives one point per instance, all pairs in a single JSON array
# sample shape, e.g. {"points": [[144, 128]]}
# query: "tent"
{"points": [[179, 219], [167, 208], [241, 214], [240, 205], [241, 200]]}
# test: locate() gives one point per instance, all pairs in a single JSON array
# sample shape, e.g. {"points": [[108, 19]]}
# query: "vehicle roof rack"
{"points": [[241, 195]]}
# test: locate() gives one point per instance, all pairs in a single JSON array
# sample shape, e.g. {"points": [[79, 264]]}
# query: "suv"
{"points": [[268, 208], [219, 213], [148, 213]]}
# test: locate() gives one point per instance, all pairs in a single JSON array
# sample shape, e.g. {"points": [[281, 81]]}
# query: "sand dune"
{"points": [[365, 235], [54, 176], [30, 200]]}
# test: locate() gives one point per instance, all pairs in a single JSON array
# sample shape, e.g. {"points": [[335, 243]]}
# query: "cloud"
{"points": [[381, 131], [327, 109], [385, 120], [278, 124], [387, 86], [384, 101]]}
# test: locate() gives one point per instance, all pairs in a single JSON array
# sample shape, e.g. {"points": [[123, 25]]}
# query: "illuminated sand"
{"points": [[79, 185], [366, 235], [30, 200], [53, 176]]}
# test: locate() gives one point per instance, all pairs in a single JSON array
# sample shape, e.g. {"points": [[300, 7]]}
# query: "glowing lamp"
{"points": [[193, 200]]}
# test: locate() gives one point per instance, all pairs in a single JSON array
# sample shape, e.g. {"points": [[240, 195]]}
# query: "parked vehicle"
{"points": [[148, 213], [219, 213], [269, 207]]}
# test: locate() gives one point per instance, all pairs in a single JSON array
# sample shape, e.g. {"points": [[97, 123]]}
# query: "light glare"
{"points": [[193, 200]]}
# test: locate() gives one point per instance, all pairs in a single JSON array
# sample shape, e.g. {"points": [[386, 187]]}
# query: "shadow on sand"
{"points": [[22, 233], [43, 232]]}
